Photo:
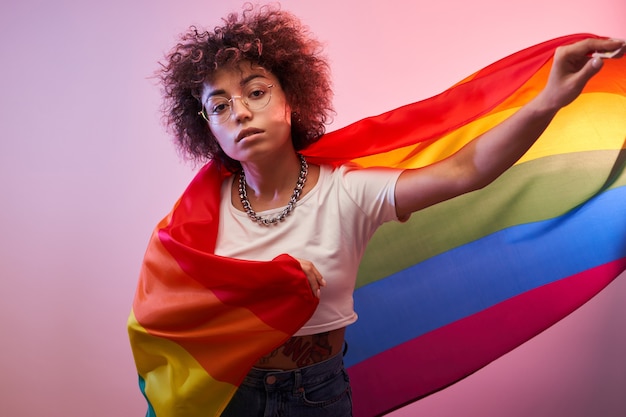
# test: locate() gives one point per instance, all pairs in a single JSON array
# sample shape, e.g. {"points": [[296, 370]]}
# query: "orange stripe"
{"points": [[168, 298]]}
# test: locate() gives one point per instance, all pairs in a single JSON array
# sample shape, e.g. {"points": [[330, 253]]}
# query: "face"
{"points": [[246, 125]]}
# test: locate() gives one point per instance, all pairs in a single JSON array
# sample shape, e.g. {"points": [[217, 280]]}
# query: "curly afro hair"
{"points": [[266, 36]]}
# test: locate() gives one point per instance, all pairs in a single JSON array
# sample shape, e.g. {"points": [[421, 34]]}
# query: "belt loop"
{"points": [[297, 382], [345, 348]]}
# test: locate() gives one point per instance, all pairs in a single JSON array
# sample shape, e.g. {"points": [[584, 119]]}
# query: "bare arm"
{"points": [[485, 158]]}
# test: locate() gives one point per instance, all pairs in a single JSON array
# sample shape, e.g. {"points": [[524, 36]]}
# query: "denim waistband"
{"points": [[280, 379]]}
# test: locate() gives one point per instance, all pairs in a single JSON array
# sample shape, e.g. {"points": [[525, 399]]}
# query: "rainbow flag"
{"points": [[470, 279], [440, 296]]}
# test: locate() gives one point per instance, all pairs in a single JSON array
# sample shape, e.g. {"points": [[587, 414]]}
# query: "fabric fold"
{"points": [[199, 321]]}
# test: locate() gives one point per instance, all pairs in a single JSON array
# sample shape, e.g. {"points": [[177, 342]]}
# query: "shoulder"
{"points": [[353, 172]]}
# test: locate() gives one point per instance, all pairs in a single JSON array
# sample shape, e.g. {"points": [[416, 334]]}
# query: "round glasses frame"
{"points": [[255, 97]]}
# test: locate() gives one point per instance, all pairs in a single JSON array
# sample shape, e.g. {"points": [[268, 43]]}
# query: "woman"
{"points": [[249, 96]]}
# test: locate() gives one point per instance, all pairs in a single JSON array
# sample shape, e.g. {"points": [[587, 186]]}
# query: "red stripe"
{"points": [[273, 290], [438, 115]]}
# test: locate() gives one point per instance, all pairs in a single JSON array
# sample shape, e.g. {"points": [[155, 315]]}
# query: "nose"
{"points": [[239, 109]]}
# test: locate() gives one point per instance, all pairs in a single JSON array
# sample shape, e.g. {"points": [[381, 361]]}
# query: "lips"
{"points": [[247, 132]]}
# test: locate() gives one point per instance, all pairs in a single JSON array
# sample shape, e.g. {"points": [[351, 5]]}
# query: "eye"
{"points": [[256, 92], [217, 106]]}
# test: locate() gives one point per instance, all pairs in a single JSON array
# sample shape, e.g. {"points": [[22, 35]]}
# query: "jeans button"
{"points": [[270, 379]]}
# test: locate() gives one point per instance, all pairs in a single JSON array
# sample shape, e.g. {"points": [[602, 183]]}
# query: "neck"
{"points": [[272, 179], [291, 203]]}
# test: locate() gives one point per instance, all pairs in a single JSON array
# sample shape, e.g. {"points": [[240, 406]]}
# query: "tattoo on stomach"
{"points": [[303, 351]]}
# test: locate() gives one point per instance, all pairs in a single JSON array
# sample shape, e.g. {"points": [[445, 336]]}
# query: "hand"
{"points": [[316, 281], [573, 67]]}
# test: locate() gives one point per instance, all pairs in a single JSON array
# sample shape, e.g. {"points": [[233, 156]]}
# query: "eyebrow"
{"points": [[243, 82]]}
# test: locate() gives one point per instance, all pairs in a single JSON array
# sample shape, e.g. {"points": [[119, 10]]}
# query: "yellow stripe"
{"points": [[594, 121], [176, 384]]}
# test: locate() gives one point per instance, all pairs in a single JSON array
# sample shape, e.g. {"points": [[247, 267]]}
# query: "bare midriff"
{"points": [[300, 351]]}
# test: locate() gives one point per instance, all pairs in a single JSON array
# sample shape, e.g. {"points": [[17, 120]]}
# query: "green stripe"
{"points": [[532, 191]]}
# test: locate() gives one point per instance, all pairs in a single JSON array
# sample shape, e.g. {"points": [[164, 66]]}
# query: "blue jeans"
{"points": [[322, 389]]}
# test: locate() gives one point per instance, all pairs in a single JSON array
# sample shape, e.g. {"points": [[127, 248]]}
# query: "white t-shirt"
{"points": [[330, 226]]}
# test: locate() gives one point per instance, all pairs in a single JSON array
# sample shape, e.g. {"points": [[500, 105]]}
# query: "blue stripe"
{"points": [[142, 386], [478, 275]]}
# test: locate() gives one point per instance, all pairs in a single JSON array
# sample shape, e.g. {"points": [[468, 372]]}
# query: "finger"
{"points": [[621, 52], [617, 53], [605, 48], [321, 281], [585, 50], [314, 283], [590, 69], [313, 276]]}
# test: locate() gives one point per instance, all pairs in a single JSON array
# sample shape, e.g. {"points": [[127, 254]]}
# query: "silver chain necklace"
{"points": [[268, 221]]}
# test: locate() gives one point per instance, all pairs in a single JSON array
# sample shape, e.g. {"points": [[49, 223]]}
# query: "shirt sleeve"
{"points": [[373, 190]]}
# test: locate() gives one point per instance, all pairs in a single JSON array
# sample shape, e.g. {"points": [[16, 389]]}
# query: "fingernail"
{"points": [[596, 62], [319, 292]]}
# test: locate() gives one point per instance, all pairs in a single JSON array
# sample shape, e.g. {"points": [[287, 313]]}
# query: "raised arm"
{"points": [[485, 158]]}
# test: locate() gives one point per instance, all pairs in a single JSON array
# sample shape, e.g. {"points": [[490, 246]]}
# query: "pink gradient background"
{"points": [[87, 170]]}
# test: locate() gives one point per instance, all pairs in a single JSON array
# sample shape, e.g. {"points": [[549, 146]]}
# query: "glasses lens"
{"points": [[217, 109], [256, 96]]}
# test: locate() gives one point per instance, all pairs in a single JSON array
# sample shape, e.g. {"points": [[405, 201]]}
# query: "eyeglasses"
{"points": [[217, 109]]}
